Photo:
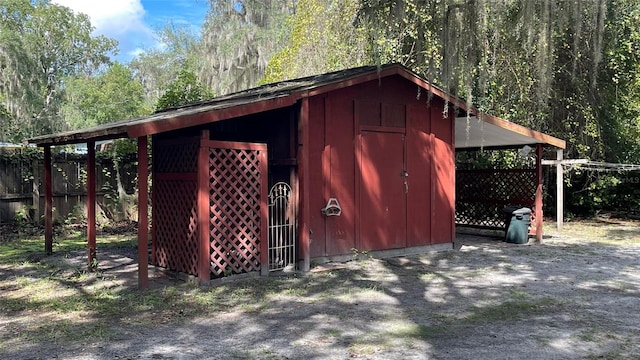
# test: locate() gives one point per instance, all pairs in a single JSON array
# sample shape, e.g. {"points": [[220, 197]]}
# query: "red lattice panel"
{"points": [[175, 221], [176, 156], [235, 211], [481, 195]]}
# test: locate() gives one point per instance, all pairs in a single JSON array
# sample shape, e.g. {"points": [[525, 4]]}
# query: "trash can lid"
{"points": [[522, 211], [509, 209]]}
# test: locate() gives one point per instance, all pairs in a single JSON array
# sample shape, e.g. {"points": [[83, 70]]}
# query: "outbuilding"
{"points": [[314, 168]]}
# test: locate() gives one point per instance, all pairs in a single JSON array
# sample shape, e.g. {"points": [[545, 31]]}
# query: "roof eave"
{"points": [[539, 137], [76, 137]]}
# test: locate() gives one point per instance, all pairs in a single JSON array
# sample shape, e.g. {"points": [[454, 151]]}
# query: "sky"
{"points": [[134, 23]]}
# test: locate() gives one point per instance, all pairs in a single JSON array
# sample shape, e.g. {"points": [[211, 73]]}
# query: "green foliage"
{"points": [[535, 63], [495, 159], [110, 96], [238, 40], [186, 89], [592, 192], [40, 45], [322, 39], [24, 215], [156, 69], [570, 69], [620, 83]]}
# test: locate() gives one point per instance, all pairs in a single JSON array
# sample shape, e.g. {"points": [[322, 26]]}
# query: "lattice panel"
{"points": [[176, 156], [175, 222], [481, 195], [235, 211]]}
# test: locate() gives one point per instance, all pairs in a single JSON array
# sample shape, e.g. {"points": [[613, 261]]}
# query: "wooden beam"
{"points": [[143, 217], [91, 205], [204, 218], [304, 178], [561, 161], [538, 199], [559, 190], [48, 202], [81, 136]]}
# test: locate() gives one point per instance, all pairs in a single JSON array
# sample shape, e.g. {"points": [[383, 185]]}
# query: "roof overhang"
{"points": [[167, 121], [489, 132]]}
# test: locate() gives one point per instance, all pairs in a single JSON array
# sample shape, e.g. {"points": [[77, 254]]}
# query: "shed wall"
{"points": [[343, 124]]}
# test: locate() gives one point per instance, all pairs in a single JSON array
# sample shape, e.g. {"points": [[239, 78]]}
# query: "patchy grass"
{"points": [[603, 231], [68, 309], [370, 309], [417, 331], [32, 248], [513, 310]]}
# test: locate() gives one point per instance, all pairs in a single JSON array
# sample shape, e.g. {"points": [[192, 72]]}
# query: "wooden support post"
{"points": [[559, 190], [143, 217], [48, 202], [204, 218], [35, 193], [538, 198], [154, 210], [304, 180], [91, 205], [264, 214]]}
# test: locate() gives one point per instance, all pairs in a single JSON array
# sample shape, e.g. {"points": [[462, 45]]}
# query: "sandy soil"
{"points": [[571, 298]]}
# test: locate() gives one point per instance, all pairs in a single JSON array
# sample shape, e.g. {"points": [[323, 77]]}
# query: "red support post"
{"points": [[204, 218], [452, 120], [264, 213], [304, 180], [91, 205], [154, 210], [538, 199], [48, 202], [143, 217]]}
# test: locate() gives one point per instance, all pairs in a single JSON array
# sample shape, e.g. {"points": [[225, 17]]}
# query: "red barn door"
{"points": [[383, 191]]}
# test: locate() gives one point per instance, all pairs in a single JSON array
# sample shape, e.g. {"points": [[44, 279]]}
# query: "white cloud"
{"points": [[136, 52], [110, 17], [122, 20]]}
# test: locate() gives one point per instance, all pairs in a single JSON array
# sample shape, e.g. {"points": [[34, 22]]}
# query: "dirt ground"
{"points": [[575, 297]]}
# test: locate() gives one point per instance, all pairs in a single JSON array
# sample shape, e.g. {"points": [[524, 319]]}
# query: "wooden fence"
{"points": [[481, 195], [22, 190]]}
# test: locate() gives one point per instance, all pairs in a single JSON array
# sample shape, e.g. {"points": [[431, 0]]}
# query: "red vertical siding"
{"points": [[382, 193], [339, 143], [419, 165], [317, 182], [443, 177], [395, 108]]}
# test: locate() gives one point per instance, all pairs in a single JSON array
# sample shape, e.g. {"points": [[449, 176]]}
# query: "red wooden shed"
{"points": [[319, 167]]}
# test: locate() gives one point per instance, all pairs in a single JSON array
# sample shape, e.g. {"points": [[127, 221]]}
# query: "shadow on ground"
{"points": [[566, 299]]}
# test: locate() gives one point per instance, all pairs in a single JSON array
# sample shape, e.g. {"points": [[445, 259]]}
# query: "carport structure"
{"points": [[344, 144], [481, 194]]}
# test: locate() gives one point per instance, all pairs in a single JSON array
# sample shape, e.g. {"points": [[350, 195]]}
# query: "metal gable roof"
{"points": [[269, 97]]}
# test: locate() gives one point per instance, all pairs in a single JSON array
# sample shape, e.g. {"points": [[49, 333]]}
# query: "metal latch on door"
{"points": [[332, 208], [405, 175]]}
